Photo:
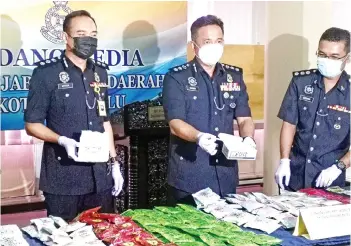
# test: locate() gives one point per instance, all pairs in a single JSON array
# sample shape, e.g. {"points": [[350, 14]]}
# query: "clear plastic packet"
{"points": [[213, 206], [263, 224], [288, 221], [266, 212], [239, 217], [84, 234], [205, 197], [250, 196], [10, 230], [260, 197], [292, 193], [61, 239], [31, 230], [295, 204], [46, 224], [60, 232], [73, 226], [251, 205], [11, 235], [95, 243], [238, 196], [294, 211], [280, 198], [279, 206], [58, 221], [222, 211], [331, 203], [233, 200], [44, 236], [13, 240]]}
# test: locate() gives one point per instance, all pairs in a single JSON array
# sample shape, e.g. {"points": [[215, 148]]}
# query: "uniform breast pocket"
{"points": [[196, 102], [339, 122], [230, 101], [68, 102]]}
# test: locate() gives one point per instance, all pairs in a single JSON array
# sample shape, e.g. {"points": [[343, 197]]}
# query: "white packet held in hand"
{"points": [[93, 147]]}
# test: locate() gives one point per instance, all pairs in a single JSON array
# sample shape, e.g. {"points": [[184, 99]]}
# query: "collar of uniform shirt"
{"points": [[90, 63], [342, 85], [219, 70]]}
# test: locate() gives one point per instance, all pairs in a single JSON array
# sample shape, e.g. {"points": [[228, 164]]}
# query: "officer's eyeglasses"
{"points": [[321, 55]]}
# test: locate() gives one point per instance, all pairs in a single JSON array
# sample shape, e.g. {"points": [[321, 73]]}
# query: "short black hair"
{"points": [[205, 21], [70, 16], [335, 34]]}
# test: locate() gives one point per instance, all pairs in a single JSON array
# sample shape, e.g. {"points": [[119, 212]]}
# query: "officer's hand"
{"points": [[207, 142], [328, 176], [70, 145], [283, 171], [249, 141], [117, 178]]}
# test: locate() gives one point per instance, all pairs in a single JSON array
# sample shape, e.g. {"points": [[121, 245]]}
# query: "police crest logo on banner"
{"points": [[52, 30], [134, 74]]}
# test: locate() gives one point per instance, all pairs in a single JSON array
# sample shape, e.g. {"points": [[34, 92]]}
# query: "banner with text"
{"points": [[139, 41]]}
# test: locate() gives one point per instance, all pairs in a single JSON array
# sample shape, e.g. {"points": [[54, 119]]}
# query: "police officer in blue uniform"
{"points": [[201, 99], [315, 136], [70, 94]]}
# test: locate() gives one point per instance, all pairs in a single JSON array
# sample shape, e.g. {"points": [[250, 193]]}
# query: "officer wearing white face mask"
{"points": [[315, 136], [201, 99]]}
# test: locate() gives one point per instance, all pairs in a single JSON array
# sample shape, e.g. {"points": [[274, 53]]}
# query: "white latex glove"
{"points": [[328, 176], [206, 142], [250, 141], [70, 145], [283, 171], [118, 179]]}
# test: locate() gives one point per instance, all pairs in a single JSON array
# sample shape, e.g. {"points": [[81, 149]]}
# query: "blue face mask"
{"points": [[329, 68]]}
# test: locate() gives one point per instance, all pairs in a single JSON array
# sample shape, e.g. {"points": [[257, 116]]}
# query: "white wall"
{"points": [[244, 21]]}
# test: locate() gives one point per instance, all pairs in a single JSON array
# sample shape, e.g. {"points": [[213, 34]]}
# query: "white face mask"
{"points": [[329, 68], [210, 54]]}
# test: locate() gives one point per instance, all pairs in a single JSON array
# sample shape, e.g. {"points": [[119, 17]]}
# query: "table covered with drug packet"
{"points": [[248, 219]]}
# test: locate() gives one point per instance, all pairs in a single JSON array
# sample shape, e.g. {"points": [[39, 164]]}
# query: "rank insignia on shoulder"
{"points": [[101, 64], [304, 72], [47, 62], [181, 67], [232, 68]]}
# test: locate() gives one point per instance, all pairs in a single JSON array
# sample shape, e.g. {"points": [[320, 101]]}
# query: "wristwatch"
{"points": [[341, 165]]}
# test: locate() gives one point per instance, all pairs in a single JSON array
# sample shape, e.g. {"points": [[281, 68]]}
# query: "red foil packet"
{"points": [[325, 194]]}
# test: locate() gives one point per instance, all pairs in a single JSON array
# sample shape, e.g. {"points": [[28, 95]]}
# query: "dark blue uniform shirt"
{"points": [[210, 105], [60, 94], [322, 125]]}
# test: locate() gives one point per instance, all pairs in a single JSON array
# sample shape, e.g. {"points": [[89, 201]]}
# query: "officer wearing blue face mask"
{"points": [[201, 99], [315, 136]]}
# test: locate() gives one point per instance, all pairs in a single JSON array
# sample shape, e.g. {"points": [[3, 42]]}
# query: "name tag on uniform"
{"points": [[65, 86], [306, 98], [101, 108], [192, 88]]}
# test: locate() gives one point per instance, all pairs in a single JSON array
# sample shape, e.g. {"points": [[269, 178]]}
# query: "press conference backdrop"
{"points": [[139, 41]]}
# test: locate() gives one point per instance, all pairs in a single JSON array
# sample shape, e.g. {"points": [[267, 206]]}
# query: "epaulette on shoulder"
{"points": [[47, 62], [304, 72], [180, 67], [101, 64], [232, 68]]}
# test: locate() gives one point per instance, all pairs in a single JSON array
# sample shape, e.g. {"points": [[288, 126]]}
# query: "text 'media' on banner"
{"points": [[139, 41]]}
